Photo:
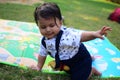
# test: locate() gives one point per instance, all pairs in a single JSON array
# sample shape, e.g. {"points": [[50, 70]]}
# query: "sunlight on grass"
{"points": [[89, 17], [105, 1], [107, 10]]}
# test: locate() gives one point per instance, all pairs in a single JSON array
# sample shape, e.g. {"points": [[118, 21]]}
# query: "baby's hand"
{"points": [[34, 67], [103, 31]]}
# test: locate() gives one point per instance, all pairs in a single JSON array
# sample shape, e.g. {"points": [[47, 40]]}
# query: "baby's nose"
{"points": [[48, 29]]}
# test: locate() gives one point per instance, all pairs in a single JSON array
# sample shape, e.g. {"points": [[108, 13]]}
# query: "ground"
{"points": [[28, 2]]}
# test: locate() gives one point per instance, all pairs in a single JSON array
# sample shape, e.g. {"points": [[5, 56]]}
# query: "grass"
{"points": [[81, 14], [16, 12]]}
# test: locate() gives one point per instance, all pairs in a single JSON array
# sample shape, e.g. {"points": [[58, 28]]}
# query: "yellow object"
{"points": [[64, 67]]}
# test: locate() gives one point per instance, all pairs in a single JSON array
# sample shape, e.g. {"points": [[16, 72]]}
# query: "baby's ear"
{"points": [[61, 22]]}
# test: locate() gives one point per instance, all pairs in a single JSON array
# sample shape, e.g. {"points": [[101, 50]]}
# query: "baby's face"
{"points": [[49, 27]]}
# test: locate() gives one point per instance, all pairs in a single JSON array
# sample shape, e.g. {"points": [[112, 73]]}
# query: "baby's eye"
{"points": [[42, 27], [52, 25]]}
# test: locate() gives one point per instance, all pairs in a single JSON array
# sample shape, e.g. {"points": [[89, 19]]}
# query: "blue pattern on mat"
{"points": [[107, 57]]}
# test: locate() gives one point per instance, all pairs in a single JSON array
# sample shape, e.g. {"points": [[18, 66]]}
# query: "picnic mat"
{"points": [[20, 41]]}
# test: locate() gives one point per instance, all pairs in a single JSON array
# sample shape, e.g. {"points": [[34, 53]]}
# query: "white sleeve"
{"points": [[78, 34], [42, 50]]}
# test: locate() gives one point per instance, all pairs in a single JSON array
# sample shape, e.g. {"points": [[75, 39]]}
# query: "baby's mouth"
{"points": [[49, 34]]}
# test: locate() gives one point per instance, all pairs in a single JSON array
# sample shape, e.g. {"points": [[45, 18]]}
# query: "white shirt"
{"points": [[68, 47]]}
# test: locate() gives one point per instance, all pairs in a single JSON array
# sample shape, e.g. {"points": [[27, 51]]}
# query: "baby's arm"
{"points": [[89, 35], [41, 61]]}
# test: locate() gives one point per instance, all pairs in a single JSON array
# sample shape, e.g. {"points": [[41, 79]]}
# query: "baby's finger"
{"points": [[107, 28], [32, 67], [104, 29], [105, 33]]}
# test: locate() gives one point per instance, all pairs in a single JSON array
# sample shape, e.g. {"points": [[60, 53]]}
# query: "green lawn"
{"points": [[81, 14]]}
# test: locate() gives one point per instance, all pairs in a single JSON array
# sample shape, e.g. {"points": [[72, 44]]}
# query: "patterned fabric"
{"points": [[68, 47]]}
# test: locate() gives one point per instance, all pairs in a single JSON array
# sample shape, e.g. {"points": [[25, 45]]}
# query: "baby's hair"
{"points": [[47, 10]]}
